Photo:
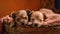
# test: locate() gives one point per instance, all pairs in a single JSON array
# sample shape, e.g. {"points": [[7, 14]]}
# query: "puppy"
{"points": [[36, 18], [21, 17], [9, 24], [50, 16], [8, 20]]}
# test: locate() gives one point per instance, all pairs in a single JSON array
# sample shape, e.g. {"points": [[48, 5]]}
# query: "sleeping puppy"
{"points": [[50, 15], [8, 20], [36, 18], [9, 24], [21, 17]]}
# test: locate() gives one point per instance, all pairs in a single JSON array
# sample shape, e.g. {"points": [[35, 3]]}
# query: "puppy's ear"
{"points": [[44, 17], [28, 11], [31, 12], [13, 15], [29, 15]]}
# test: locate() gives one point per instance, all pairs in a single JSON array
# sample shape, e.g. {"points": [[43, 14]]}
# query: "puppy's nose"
{"points": [[35, 25], [22, 23]]}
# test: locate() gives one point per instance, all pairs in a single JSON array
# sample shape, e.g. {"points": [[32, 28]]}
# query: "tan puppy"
{"points": [[21, 17], [36, 18]]}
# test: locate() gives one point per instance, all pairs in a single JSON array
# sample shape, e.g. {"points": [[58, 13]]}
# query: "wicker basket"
{"points": [[31, 30]]}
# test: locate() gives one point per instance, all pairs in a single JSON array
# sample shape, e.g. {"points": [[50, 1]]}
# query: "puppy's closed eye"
{"points": [[32, 19], [40, 20], [25, 17]]}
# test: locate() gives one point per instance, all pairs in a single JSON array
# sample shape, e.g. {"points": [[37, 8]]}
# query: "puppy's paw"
{"points": [[29, 23], [12, 25]]}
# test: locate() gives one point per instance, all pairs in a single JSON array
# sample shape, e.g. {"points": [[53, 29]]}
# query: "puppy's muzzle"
{"points": [[35, 25], [22, 23]]}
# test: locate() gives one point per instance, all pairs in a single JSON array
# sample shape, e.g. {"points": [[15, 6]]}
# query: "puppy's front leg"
{"points": [[12, 24]]}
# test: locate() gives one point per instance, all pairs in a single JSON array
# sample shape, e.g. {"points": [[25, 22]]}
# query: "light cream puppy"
{"points": [[36, 18]]}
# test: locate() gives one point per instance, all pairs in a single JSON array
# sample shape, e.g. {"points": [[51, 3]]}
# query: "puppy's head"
{"points": [[36, 18], [8, 20], [22, 17]]}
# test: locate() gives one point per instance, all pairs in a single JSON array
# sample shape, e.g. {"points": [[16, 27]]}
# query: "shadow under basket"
{"points": [[31, 30]]}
